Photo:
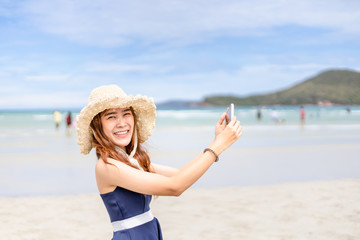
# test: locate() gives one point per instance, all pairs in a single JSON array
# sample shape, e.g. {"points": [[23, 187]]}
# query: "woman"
{"points": [[116, 124]]}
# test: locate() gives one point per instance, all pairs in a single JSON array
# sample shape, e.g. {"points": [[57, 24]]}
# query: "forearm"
{"points": [[192, 171]]}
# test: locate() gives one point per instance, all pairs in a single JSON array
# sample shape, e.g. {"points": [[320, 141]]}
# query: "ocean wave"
{"points": [[294, 127], [187, 114], [42, 117]]}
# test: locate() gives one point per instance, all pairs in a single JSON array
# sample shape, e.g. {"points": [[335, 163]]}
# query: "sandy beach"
{"points": [[310, 210]]}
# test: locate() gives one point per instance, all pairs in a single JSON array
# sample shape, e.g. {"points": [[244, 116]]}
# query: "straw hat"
{"points": [[112, 96]]}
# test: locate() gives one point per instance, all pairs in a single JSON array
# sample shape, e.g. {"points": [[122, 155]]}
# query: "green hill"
{"points": [[333, 86]]}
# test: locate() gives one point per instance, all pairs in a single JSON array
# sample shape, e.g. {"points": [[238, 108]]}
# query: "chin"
{"points": [[123, 144]]}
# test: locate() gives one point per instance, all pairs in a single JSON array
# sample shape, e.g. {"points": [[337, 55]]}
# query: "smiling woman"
{"points": [[116, 124]]}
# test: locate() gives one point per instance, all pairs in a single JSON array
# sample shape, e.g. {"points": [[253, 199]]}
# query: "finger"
{"points": [[239, 130], [227, 118], [231, 123], [235, 124], [234, 121], [222, 118]]}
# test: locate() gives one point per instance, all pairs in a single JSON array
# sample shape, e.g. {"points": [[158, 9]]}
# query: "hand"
{"points": [[226, 134], [220, 126]]}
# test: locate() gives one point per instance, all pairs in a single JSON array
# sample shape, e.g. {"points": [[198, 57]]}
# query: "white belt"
{"points": [[133, 221]]}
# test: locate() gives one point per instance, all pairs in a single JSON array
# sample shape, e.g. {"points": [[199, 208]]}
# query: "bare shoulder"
{"points": [[100, 165], [103, 168], [104, 174]]}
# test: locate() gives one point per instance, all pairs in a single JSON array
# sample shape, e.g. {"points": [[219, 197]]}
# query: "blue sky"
{"points": [[53, 53]]}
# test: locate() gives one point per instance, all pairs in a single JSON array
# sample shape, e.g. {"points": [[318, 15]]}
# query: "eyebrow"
{"points": [[109, 113], [113, 112]]}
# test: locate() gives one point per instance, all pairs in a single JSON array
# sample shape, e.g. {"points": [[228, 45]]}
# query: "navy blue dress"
{"points": [[122, 204]]}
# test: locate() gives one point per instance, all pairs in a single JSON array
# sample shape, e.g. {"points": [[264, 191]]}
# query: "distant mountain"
{"points": [[339, 87], [182, 104]]}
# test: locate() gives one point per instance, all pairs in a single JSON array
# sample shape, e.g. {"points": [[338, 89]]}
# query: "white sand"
{"points": [[312, 210]]}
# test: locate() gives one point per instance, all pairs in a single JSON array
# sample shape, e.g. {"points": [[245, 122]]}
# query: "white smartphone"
{"points": [[230, 111]]}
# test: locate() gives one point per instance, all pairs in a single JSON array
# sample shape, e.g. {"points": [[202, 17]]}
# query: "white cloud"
{"points": [[115, 67], [30, 100], [115, 22], [47, 78], [249, 79]]}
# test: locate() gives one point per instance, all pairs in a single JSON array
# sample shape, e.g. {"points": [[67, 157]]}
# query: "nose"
{"points": [[120, 122]]}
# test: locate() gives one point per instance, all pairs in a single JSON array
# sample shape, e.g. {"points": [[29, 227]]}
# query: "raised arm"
{"points": [[175, 184], [164, 170]]}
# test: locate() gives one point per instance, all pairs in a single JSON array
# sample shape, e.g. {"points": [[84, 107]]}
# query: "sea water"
{"points": [[23, 122], [36, 158], [16, 125]]}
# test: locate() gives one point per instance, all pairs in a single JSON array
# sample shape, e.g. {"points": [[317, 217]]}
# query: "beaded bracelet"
{"points": [[210, 150]]}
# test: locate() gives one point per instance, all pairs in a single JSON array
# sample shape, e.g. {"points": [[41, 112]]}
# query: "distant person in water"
{"points": [[258, 114], [68, 123], [302, 115], [274, 116], [68, 120], [57, 118]]}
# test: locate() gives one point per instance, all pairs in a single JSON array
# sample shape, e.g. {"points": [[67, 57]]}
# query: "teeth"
{"points": [[121, 133]]}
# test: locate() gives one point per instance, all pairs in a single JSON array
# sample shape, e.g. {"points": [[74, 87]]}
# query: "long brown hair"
{"points": [[106, 149]]}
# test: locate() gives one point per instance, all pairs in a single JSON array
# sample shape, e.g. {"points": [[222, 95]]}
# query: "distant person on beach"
{"points": [[57, 118], [116, 125]]}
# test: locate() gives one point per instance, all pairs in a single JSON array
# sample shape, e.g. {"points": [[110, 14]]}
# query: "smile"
{"points": [[121, 132]]}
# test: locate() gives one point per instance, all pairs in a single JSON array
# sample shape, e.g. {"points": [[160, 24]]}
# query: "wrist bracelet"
{"points": [[213, 152]]}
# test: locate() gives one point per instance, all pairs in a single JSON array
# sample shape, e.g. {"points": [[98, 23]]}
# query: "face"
{"points": [[118, 126]]}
